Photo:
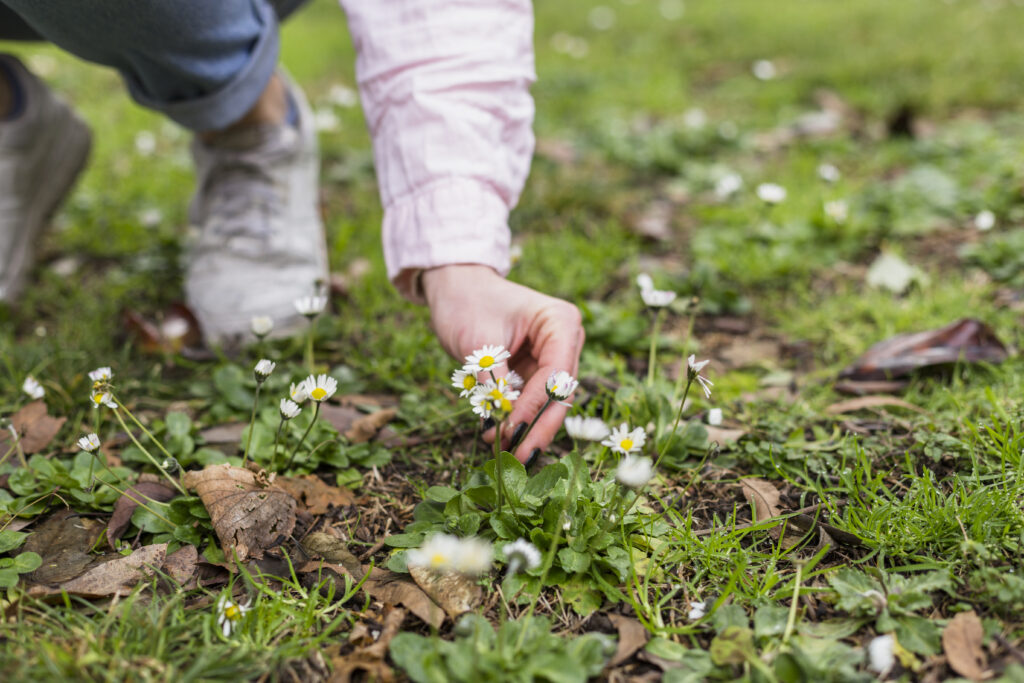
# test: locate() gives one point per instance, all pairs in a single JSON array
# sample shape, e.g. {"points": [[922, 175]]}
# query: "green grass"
{"points": [[935, 497]]}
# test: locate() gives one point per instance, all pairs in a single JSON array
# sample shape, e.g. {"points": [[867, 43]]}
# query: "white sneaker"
{"points": [[260, 243], [41, 154]]}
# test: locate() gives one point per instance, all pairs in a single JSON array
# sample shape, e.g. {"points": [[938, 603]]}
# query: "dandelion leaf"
{"points": [[248, 515]]}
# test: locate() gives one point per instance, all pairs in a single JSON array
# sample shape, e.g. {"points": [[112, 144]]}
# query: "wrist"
{"points": [[434, 282]]}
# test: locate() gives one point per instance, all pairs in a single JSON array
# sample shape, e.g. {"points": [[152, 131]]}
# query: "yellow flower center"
{"points": [[554, 388], [468, 382], [97, 398], [495, 394], [318, 394], [233, 613], [437, 560], [486, 361], [506, 405], [626, 444]]}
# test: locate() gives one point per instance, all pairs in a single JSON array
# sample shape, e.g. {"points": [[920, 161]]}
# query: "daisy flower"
{"points": [[298, 392], [311, 306], [521, 555], [693, 368], [881, 656], [764, 70], [475, 556], [103, 398], [624, 441], [560, 385], [514, 379], [487, 358], [634, 471], [263, 369], [104, 374], [644, 281], [715, 417], [441, 551], [837, 210], [657, 298], [229, 614], [985, 220], [32, 387], [728, 185], [465, 381], [770, 193], [586, 428], [829, 173], [493, 397], [89, 443], [261, 325], [321, 387], [289, 409], [697, 611]]}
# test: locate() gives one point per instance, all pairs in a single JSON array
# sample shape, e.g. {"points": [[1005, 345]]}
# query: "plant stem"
{"points": [[252, 423], [147, 453], [316, 412], [530, 428], [277, 438], [309, 346], [651, 361], [791, 621], [497, 466], [679, 415], [141, 426]]}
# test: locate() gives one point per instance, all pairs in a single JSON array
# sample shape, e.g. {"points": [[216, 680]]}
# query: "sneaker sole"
{"points": [[69, 146]]}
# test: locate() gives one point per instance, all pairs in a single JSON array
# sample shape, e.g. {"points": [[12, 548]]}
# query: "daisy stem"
{"points": [[142, 448], [277, 438], [124, 493], [679, 415], [252, 423], [549, 560], [791, 620], [309, 346], [651, 361], [316, 412], [15, 448], [497, 465], [530, 428]]}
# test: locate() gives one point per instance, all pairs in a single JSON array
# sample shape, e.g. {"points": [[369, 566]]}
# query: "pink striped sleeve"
{"points": [[445, 88]]}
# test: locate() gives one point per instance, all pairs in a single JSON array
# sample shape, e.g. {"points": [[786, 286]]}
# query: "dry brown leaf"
{"points": [[722, 435], [63, 542], [764, 496], [365, 428], [181, 564], [312, 493], [397, 589], [632, 637], [371, 657], [331, 548], [961, 641], [247, 515], [35, 428], [115, 577], [873, 401], [143, 491], [454, 592]]}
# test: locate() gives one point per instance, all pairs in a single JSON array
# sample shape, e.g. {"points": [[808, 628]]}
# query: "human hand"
{"points": [[471, 305]]}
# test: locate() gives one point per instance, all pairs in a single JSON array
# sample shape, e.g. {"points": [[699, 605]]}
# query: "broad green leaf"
{"points": [[573, 561], [9, 540], [542, 484], [8, 578], [770, 620], [441, 494], [405, 540], [27, 562], [734, 645]]}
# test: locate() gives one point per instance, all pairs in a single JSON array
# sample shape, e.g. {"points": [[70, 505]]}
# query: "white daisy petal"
{"points": [[487, 359], [89, 443], [586, 428], [33, 388], [634, 471]]}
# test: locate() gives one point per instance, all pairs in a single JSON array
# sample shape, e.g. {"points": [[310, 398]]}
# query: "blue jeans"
{"points": [[203, 63]]}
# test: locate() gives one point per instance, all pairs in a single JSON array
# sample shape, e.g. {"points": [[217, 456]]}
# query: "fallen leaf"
{"points": [[654, 222], [454, 592], [175, 330], [247, 515], [964, 341], [722, 435], [961, 641], [35, 428], [230, 433], [331, 548], [124, 507], [764, 497], [63, 542], [874, 401], [632, 637], [397, 589], [371, 657], [365, 428], [311, 492], [181, 564], [115, 577]]}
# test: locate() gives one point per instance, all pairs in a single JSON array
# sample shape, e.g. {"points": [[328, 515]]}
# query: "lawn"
{"points": [[808, 520]]}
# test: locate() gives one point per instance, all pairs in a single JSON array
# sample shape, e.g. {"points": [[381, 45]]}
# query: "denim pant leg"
{"points": [[203, 63]]}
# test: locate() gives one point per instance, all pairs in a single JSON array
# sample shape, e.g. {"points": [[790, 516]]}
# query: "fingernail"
{"points": [[488, 423], [517, 435], [534, 454]]}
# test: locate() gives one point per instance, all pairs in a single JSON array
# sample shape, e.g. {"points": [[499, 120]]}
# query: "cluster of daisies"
{"points": [[472, 556], [316, 388], [493, 397]]}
